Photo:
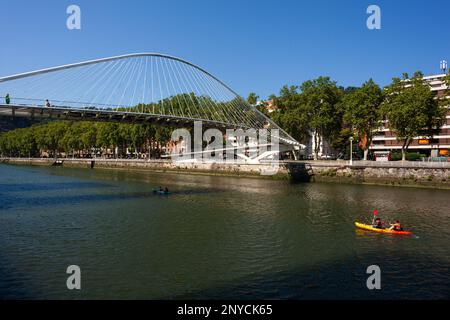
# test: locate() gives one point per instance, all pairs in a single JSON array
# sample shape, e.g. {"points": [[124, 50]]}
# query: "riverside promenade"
{"points": [[397, 173]]}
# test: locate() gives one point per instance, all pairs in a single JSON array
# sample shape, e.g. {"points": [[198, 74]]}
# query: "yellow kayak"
{"points": [[371, 228]]}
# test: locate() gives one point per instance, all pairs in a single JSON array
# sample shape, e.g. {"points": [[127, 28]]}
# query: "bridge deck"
{"points": [[89, 114]]}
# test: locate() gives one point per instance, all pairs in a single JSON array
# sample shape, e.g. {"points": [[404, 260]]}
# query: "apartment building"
{"points": [[438, 145]]}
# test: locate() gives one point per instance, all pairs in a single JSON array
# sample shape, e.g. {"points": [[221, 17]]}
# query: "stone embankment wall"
{"points": [[396, 173], [403, 176]]}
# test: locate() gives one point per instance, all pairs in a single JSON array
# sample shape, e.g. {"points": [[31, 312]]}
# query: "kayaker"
{"points": [[166, 190], [378, 224], [396, 226]]}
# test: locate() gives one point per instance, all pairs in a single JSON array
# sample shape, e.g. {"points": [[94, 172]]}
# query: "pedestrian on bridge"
{"points": [[7, 99], [47, 103]]}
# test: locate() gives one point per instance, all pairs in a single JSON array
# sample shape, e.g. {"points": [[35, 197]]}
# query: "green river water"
{"points": [[214, 237]]}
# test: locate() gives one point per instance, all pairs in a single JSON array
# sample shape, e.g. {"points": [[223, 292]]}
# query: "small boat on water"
{"points": [[161, 192], [373, 229]]}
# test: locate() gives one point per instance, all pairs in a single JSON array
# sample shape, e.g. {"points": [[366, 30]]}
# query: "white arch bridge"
{"points": [[132, 88]]}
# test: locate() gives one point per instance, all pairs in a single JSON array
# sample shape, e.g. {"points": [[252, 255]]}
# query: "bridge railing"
{"points": [[58, 104]]}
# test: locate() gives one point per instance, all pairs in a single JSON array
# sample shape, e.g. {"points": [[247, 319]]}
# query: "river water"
{"points": [[214, 237]]}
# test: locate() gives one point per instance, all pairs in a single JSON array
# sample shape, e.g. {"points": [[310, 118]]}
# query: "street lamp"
{"points": [[351, 150], [443, 65]]}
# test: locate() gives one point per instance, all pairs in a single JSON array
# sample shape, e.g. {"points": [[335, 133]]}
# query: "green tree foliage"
{"points": [[82, 138], [18, 143], [321, 101], [50, 136], [313, 108], [252, 98], [295, 122], [412, 110], [290, 115], [362, 112]]}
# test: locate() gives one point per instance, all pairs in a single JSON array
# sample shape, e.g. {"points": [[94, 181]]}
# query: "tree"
{"points": [[71, 139], [320, 101], [138, 136], [412, 110], [88, 136], [362, 112], [252, 98], [315, 110], [50, 136], [296, 123], [290, 115]]}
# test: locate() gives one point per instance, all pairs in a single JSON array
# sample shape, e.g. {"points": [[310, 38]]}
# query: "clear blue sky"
{"points": [[252, 45]]}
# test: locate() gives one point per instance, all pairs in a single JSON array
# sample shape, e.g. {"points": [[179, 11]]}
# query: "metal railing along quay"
{"points": [[375, 164], [318, 163]]}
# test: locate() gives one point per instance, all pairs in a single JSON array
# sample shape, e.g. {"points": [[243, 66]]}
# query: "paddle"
{"points": [[375, 213]]}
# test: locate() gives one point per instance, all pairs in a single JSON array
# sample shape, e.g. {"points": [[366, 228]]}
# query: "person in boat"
{"points": [[378, 224], [396, 226], [159, 190], [166, 190]]}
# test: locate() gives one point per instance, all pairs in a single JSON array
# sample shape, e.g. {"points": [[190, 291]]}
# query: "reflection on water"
{"points": [[213, 237]]}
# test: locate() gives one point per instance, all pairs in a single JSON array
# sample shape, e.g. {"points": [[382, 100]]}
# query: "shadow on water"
{"points": [[343, 279], [64, 200], [336, 280], [10, 203], [300, 172], [23, 187]]}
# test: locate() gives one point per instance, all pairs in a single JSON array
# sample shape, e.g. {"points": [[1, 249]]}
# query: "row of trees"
{"points": [[319, 109], [81, 138]]}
